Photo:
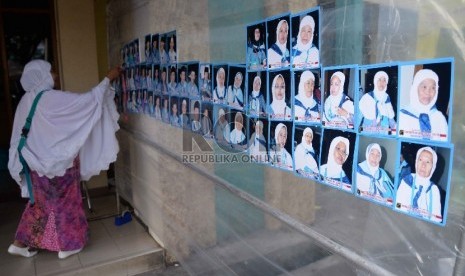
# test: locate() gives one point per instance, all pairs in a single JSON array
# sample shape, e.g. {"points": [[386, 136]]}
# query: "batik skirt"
{"points": [[56, 221]]}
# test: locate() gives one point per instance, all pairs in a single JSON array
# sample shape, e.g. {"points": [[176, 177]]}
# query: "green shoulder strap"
{"points": [[22, 143]]}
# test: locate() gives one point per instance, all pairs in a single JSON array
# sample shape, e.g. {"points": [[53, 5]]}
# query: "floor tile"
{"points": [[18, 266], [136, 243], [99, 250], [48, 263], [124, 230]]}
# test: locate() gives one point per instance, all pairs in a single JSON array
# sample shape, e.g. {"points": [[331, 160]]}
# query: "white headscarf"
{"points": [[221, 70], [36, 76], [380, 95], [278, 105], [368, 104], [256, 93], [307, 20], [304, 143], [419, 77], [301, 96], [276, 132], [282, 47], [333, 168], [371, 147], [426, 180], [240, 75], [335, 100], [65, 125]]}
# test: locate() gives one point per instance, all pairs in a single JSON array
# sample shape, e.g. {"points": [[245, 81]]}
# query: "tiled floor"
{"points": [[112, 250]]}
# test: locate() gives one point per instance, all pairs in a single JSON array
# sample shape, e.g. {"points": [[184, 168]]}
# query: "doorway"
{"points": [[27, 32]]}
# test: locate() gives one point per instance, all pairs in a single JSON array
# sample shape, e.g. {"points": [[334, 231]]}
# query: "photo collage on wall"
{"points": [[378, 131]]}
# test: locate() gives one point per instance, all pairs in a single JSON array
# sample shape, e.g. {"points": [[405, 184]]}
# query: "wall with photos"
{"points": [[148, 178]]}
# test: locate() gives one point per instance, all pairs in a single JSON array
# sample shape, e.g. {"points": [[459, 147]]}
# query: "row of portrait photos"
{"points": [[286, 40], [157, 49], [411, 100], [391, 111]]}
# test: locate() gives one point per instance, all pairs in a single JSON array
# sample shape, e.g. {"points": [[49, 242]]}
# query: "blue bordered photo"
{"points": [[135, 52], [157, 107], [425, 99], [306, 96], [424, 191], [182, 84], [256, 46], [123, 55], [205, 82], [305, 39], [237, 125], [172, 81], [221, 127], [193, 80], [195, 116], [148, 49], [220, 92], [236, 86], [131, 105], [257, 83], [184, 113], [278, 41], [149, 77], [150, 108], [280, 145], [165, 111], [175, 118], [339, 85], [172, 45], [207, 122], [375, 168], [337, 157], [155, 51], [144, 102], [378, 94], [279, 95], [258, 139], [306, 150], [143, 79], [164, 75], [156, 79], [164, 58]]}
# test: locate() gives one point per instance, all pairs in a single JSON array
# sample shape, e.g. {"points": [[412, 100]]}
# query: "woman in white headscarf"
{"points": [[220, 93], [305, 156], [305, 53], [206, 124], [417, 194], [306, 107], [421, 119], [256, 55], [157, 112], [279, 155], [338, 152], [235, 95], [371, 179], [278, 107], [237, 135], [377, 113], [71, 138], [278, 53], [196, 125], [257, 144], [256, 99], [338, 108]]}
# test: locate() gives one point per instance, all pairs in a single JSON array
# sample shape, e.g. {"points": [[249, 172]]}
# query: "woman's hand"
{"points": [[114, 73]]}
